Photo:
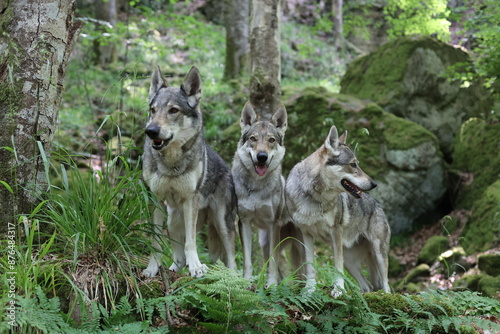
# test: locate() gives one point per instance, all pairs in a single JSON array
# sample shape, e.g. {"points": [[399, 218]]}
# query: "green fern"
{"points": [[435, 312], [224, 302], [40, 314]]}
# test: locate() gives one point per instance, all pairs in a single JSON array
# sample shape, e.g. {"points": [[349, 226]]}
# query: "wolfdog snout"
{"points": [[262, 157], [153, 131]]}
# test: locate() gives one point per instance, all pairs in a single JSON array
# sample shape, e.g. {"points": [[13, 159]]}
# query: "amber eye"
{"points": [[354, 165], [272, 140], [173, 111], [152, 110], [252, 138]]}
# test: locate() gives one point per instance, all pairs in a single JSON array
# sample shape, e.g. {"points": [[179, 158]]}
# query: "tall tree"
{"points": [[105, 13], [237, 44], [35, 44], [265, 68], [338, 21]]}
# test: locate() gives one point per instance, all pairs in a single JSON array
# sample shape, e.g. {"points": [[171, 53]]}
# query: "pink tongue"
{"points": [[261, 170]]}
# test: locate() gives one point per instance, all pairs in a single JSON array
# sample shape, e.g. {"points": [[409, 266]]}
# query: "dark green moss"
{"points": [[371, 130], [395, 268], [476, 148], [489, 264], [151, 290], [386, 303], [422, 270], [470, 282], [489, 286], [434, 246], [379, 75], [482, 231], [228, 142]]}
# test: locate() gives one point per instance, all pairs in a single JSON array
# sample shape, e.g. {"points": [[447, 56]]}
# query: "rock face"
{"points": [[407, 77], [476, 160]]}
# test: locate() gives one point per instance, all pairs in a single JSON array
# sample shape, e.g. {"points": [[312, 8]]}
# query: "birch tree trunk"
{"points": [[237, 44], [265, 68], [36, 39]]}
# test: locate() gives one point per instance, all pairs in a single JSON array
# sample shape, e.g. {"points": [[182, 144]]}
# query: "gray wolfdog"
{"points": [[325, 200], [259, 185], [184, 173]]}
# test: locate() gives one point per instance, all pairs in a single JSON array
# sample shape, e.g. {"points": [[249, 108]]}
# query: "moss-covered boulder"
{"points": [[475, 152], [482, 231], [489, 264], [434, 247], [489, 286], [470, 282], [407, 77], [415, 275], [476, 159]]}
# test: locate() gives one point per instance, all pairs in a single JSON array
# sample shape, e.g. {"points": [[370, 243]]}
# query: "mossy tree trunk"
{"points": [[265, 68], [237, 44], [36, 39]]}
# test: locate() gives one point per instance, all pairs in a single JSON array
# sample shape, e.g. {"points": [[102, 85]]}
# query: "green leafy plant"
{"points": [[101, 220], [407, 17], [223, 301]]}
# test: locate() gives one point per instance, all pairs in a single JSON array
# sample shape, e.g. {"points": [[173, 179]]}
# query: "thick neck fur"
{"points": [[313, 183], [178, 157]]}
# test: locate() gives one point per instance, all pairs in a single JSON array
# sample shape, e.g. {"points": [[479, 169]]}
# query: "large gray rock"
{"points": [[414, 181], [407, 77]]}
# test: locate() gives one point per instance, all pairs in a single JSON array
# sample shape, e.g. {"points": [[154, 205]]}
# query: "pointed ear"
{"points": [[157, 82], [248, 116], [343, 138], [279, 118], [332, 141], [192, 87]]}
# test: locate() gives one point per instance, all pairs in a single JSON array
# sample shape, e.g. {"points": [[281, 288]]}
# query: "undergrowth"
{"points": [[224, 302]]}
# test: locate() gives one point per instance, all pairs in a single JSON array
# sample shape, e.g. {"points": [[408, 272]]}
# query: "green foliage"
{"points": [[484, 25], [31, 262], [100, 220], [474, 135], [434, 312], [39, 314], [408, 17], [307, 59], [224, 302], [97, 212]]}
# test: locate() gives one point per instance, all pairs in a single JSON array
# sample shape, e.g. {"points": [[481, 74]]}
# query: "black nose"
{"points": [[374, 184], [153, 131], [262, 157]]}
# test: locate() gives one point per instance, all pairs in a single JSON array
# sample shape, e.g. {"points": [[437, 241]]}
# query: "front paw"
{"points": [[198, 271], [150, 272], [338, 289], [310, 287]]}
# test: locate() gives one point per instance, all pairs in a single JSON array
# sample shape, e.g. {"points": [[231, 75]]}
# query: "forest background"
{"points": [[72, 262]]}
